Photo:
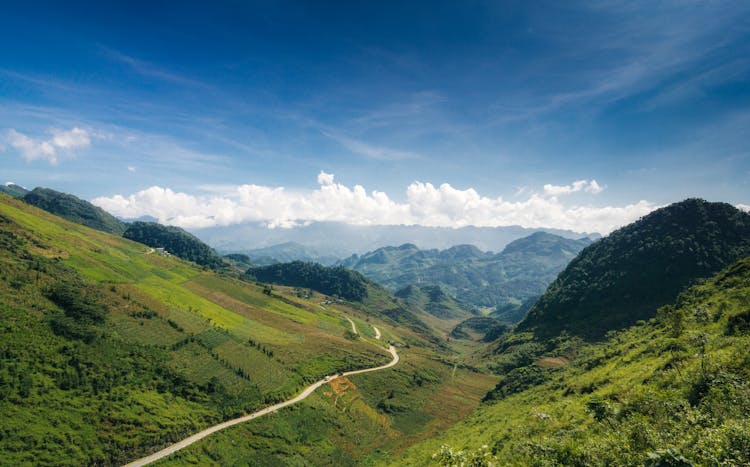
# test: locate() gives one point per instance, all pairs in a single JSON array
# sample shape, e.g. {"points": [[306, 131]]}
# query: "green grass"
{"points": [[179, 349]]}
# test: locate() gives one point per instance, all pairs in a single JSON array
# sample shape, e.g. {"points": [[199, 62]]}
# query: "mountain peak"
{"points": [[624, 277]]}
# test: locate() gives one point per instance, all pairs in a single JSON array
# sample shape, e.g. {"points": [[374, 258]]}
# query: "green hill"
{"points": [[75, 209], [505, 280], [674, 391], [175, 241], [335, 281], [627, 275], [13, 190], [434, 300]]}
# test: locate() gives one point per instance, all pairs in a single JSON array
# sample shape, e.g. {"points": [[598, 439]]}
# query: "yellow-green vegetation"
{"points": [[108, 351], [671, 391]]}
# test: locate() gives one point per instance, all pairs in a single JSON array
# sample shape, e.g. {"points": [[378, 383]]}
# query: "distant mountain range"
{"points": [[505, 280], [287, 252], [323, 240]]}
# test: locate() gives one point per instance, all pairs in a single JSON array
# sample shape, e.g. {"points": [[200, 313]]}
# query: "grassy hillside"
{"points": [[108, 352], [74, 209], [507, 279], [624, 277], [671, 391]]}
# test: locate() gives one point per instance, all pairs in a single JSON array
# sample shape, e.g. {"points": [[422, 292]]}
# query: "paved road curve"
{"points": [[208, 431]]}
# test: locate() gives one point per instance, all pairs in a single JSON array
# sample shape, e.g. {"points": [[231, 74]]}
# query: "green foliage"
{"points": [[521, 271], [176, 241], [518, 380], [624, 277], [75, 209], [335, 281], [448, 457], [83, 310], [645, 395]]}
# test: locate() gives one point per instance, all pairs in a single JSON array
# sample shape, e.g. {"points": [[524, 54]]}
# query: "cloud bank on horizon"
{"points": [[425, 205]]}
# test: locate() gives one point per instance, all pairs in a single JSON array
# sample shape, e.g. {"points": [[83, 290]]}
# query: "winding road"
{"points": [[169, 450]]}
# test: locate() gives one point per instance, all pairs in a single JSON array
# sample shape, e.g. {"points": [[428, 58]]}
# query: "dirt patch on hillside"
{"points": [[552, 362]]}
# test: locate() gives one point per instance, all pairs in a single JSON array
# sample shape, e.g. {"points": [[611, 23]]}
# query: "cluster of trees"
{"points": [[336, 281]]}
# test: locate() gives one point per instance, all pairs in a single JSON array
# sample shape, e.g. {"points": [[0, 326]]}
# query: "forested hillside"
{"points": [[335, 281], [674, 391], [176, 241], [74, 209], [627, 275]]}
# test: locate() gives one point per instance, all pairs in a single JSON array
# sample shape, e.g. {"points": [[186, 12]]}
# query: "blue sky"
{"points": [[482, 103]]}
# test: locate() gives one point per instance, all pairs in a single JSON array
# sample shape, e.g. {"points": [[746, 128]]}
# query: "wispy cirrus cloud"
{"points": [[425, 204], [368, 150], [151, 70], [61, 143]]}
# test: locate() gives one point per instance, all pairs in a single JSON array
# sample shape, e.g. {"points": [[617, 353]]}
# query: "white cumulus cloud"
{"points": [[61, 142], [426, 204], [579, 185]]}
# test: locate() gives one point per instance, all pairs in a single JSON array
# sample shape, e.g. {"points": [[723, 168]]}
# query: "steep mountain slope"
{"points": [[673, 391], [176, 241], [75, 209], [506, 280], [624, 277]]}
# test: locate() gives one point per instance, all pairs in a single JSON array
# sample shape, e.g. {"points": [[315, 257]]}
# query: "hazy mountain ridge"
{"points": [[340, 240], [16, 191], [509, 278], [288, 252]]}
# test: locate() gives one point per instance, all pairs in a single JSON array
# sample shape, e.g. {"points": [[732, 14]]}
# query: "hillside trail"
{"points": [[354, 326], [169, 450]]}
